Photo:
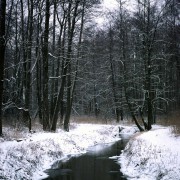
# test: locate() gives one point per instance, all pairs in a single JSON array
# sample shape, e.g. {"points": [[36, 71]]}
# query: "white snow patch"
{"points": [[28, 158], [152, 155], [128, 130]]}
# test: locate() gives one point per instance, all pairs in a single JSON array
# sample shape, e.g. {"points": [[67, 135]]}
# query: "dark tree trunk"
{"points": [[46, 125], [117, 109], [59, 104], [149, 97], [71, 28], [59, 101], [78, 54], [29, 54], [53, 62], [23, 50], [2, 53], [38, 65], [63, 73], [148, 65], [130, 108]]}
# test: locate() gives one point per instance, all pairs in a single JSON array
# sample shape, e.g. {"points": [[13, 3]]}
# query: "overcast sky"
{"points": [[110, 4], [107, 5]]}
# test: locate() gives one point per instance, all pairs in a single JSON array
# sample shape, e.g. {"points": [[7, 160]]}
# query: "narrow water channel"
{"points": [[99, 163]]}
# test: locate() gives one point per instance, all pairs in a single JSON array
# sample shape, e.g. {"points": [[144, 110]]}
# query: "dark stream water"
{"points": [[94, 165]]}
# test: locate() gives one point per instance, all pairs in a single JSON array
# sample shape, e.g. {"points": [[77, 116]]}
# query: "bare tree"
{"points": [[46, 124], [2, 53]]}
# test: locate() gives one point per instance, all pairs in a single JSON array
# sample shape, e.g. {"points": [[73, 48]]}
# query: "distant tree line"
{"points": [[135, 63], [55, 62]]}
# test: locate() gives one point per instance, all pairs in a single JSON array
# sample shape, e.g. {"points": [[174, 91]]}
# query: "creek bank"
{"points": [[28, 158], [152, 155]]}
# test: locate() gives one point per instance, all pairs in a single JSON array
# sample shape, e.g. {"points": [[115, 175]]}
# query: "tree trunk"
{"points": [[149, 97], [71, 28], [38, 65], [117, 110], [2, 53], [53, 62], [130, 108], [148, 65], [46, 125], [29, 54], [59, 100], [23, 50]]}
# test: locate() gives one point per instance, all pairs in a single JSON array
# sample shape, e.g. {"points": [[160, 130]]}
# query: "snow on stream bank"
{"points": [[152, 155], [148, 156], [28, 158]]}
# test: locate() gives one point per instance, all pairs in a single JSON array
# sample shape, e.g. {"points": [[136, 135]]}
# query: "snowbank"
{"points": [[152, 155], [28, 158]]}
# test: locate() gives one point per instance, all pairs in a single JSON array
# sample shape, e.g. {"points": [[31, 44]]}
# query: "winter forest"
{"points": [[56, 62], [79, 74]]}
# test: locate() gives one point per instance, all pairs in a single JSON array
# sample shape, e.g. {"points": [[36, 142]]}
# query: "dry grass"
{"points": [[90, 119], [172, 120], [14, 131], [11, 131], [99, 120]]}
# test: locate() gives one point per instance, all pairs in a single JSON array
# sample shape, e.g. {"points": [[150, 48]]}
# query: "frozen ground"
{"points": [[152, 155], [27, 158]]}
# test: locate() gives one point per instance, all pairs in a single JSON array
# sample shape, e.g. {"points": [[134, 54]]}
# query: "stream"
{"points": [[99, 163]]}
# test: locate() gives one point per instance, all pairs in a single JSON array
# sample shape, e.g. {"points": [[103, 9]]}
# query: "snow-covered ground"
{"points": [[27, 158], [148, 156], [152, 155]]}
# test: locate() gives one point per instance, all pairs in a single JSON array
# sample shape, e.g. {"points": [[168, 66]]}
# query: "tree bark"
{"points": [[71, 28], [38, 65], [59, 104], [117, 110], [46, 125], [2, 53], [29, 54], [53, 61]]}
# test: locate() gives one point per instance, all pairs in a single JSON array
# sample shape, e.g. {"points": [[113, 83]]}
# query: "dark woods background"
{"points": [[58, 62]]}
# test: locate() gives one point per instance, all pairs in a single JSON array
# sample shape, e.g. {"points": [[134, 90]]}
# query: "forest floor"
{"points": [[148, 156]]}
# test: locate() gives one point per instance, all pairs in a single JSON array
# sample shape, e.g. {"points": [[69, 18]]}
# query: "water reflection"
{"points": [[94, 165]]}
